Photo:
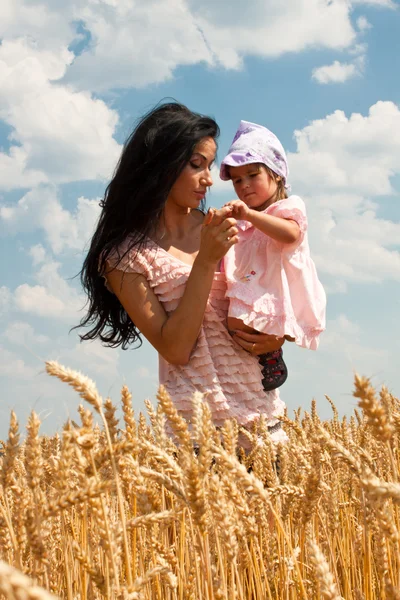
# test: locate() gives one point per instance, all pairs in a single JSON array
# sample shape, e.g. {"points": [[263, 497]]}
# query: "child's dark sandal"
{"points": [[274, 370]]}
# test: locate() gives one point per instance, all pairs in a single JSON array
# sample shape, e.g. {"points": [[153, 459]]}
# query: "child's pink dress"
{"points": [[274, 287]]}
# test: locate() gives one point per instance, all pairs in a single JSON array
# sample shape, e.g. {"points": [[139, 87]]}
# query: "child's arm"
{"points": [[285, 231]]}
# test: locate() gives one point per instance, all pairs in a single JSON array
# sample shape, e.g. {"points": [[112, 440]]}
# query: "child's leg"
{"points": [[273, 367]]}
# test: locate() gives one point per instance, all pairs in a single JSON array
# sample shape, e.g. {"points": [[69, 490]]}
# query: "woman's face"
{"points": [[191, 186]]}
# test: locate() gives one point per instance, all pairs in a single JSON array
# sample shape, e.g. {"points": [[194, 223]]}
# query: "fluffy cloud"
{"points": [[37, 253], [14, 170], [339, 154], [137, 44], [350, 153], [163, 34], [337, 72], [11, 365], [381, 3], [36, 18], [143, 372], [52, 297], [5, 299], [347, 335], [258, 30], [23, 334], [41, 208], [98, 359], [363, 24], [58, 134]]}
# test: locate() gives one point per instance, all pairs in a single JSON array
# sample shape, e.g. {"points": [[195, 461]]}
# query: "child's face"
{"points": [[253, 185]]}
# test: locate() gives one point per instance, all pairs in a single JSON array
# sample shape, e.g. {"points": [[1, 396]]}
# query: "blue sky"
{"points": [[74, 77]]}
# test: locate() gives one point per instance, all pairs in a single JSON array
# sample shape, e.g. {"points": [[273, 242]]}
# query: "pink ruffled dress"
{"points": [[228, 376], [274, 287]]}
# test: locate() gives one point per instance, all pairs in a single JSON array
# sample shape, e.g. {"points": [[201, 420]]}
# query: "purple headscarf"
{"points": [[256, 144]]}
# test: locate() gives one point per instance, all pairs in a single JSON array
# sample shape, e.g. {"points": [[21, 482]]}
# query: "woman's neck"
{"points": [[174, 223]]}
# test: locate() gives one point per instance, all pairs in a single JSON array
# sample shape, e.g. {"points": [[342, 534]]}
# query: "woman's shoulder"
{"points": [[132, 256]]}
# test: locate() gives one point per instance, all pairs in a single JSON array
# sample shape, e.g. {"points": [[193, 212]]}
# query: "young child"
{"points": [[272, 282]]}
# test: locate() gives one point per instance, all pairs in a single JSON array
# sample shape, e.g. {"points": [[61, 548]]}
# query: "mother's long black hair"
{"points": [[152, 159]]}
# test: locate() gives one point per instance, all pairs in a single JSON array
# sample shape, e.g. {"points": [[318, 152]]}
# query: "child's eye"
{"points": [[254, 174], [235, 181]]}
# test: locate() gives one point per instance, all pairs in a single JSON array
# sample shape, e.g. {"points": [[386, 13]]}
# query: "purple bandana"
{"points": [[256, 144]]}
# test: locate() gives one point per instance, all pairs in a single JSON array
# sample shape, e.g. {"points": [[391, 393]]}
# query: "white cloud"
{"points": [[363, 24], [11, 365], [219, 186], [41, 208], [36, 18], [52, 297], [335, 156], [37, 252], [58, 134], [348, 345], [5, 299], [14, 171], [345, 341], [350, 153], [39, 301], [258, 31], [143, 372], [134, 44], [137, 44], [98, 359], [381, 3], [337, 72], [23, 334]]}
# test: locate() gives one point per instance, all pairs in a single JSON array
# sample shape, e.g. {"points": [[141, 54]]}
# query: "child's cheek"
{"points": [[237, 190]]}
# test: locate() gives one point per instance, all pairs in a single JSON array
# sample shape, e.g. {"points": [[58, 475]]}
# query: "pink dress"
{"points": [[274, 287], [229, 377]]}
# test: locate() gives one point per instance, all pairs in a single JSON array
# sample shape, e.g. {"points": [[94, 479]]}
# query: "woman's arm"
{"points": [[282, 230], [175, 335]]}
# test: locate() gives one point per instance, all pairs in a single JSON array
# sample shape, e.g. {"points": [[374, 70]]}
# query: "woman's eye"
{"points": [[194, 165]]}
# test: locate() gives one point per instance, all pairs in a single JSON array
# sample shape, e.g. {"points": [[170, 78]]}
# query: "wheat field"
{"points": [[110, 509]]}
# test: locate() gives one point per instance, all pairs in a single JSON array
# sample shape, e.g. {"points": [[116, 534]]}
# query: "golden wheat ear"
{"points": [[83, 385]]}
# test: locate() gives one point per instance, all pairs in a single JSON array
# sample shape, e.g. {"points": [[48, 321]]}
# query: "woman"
{"points": [[159, 255]]}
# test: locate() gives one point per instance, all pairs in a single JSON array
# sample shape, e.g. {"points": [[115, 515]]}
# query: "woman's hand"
{"points": [[258, 343], [218, 234]]}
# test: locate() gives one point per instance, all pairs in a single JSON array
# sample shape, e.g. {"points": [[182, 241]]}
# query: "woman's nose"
{"points": [[207, 179]]}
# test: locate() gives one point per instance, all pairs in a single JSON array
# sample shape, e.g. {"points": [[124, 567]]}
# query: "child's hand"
{"points": [[240, 210]]}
